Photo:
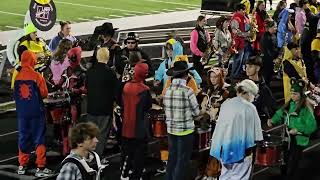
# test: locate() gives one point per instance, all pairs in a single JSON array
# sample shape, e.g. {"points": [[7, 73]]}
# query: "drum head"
{"points": [[271, 140]]}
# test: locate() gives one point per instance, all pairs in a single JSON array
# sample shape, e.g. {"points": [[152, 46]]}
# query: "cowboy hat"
{"points": [[106, 29], [178, 68]]}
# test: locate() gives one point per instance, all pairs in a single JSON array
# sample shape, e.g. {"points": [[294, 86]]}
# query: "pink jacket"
{"points": [[194, 41], [57, 69], [300, 20]]}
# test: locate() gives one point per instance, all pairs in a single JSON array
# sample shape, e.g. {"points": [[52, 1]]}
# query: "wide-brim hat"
{"points": [[132, 36], [178, 68], [106, 29]]}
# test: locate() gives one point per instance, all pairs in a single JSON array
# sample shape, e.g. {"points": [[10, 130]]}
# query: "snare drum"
{"points": [[159, 125], [269, 152], [202, 139], [56, 100]]}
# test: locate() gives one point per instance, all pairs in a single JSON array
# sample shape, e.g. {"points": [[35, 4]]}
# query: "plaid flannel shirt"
{"points": [[70, 171], [180, 105]]}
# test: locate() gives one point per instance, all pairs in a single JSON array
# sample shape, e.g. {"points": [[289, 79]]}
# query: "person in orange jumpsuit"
{"points": [[29, 90]]}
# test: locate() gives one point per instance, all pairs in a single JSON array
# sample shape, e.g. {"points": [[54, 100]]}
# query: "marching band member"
{"points": [[315, 53], [82, 162], [65, 33], [190, 80], [236, 132], [29, 89], [33, 43], [181, 106], [293, 66], [261, 16], [300, 122], [199, 42], [101, 83], [136, 102], [264, 101]]}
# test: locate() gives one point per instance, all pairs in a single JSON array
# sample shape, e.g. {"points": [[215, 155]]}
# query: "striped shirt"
{"points": [[180, 105]]}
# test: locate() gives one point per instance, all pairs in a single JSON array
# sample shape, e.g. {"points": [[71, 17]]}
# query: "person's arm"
{"points": [[53, 44], [42, 86], [277, 117], [194, 43], [310, 124], [160, 72], [289, 69], [194, 106], [196, 77], [148, 102]]}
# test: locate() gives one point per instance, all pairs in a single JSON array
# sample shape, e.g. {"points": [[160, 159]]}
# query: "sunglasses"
{"points": [[128, 42]]}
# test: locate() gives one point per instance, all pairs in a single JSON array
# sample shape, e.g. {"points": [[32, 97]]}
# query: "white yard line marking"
{"points": [[170, 2], [154, 11], [10, 13], [97, 7], [12, 27], [6, 134], [84, 19], [129, 14], [168, 10], [98, 17], [182, 9], [116, 16]]}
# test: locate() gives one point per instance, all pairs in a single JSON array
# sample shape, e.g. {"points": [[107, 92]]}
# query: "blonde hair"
{"points": [[103, 55]]}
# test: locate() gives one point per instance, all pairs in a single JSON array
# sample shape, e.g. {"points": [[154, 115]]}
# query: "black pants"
{"points": [[292, 158], [197, 64], [265, 2], [132, 157]]}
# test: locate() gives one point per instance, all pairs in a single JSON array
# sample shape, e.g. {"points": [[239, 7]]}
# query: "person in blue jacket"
{"points": [[285, 27], [173, 49], [65, 33]]}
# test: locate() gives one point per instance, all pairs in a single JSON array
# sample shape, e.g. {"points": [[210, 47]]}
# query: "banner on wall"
{"points": [[43, 14]]}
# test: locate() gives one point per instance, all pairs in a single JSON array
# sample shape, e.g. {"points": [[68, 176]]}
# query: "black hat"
{"points": [[106, 29], [178, 68], [254, 60], [292, 45], [132, 36]]}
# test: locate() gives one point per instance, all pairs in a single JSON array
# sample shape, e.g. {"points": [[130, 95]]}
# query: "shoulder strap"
{"points": [[84, 172]]}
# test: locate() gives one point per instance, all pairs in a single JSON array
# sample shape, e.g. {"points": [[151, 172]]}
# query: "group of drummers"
{"points": [[221, 110]]}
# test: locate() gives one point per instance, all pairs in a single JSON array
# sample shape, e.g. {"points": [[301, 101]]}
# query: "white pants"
{"points": [[237, 171]]}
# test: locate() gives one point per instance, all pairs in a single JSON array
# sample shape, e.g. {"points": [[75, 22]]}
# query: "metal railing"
{"points": [[3, 58]]}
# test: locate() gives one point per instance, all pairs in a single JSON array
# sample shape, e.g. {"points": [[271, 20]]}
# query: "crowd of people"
{"points": [[233, 97]]}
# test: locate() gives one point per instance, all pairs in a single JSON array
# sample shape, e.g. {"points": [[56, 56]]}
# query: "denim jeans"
{"points": [[237, 64], [180, 150]]}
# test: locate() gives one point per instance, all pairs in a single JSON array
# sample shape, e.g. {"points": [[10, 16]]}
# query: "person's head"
{"points": [[103, 55], [281, 5], [28, 59], [201, 21], [222, 23], [106, 31], [215, 77], [253, 65], [140, 72], [297, 89], [303, 4], [180, 70], [63, 47], [135, 57], [260, 6], [30, 31], [65, 27], [241, 8], [169, 49], [271, 27], [247, 89], [132, 40], [84, 136], [294, 49]]}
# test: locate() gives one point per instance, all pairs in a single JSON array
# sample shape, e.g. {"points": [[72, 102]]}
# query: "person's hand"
{"points": [[293, 131], [156, 83], [269, 123]]}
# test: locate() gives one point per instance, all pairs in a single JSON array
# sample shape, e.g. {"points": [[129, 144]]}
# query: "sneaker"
{"points": [[22, 170], [43, 172]]}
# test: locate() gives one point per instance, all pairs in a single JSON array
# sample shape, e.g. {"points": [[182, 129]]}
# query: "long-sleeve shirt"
{"points": [[300, 20], [194, 42], [181, 106]]}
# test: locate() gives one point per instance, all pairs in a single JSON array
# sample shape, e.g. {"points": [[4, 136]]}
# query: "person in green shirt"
{"points": [[300, 122]]}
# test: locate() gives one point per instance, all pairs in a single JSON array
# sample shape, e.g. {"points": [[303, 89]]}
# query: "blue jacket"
{"points": [[56, 40], [283, 28]]}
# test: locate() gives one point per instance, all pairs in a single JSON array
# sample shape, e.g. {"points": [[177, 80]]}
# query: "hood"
{"points": [[74, 56], [140, 72], [28, 59], [284, 15], [287, 54]]}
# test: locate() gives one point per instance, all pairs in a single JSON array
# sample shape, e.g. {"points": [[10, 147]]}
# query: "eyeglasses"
{"points": [[128, 42]]}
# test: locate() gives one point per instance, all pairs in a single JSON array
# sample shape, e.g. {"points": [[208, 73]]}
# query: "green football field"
{"points": [[12, 12]]}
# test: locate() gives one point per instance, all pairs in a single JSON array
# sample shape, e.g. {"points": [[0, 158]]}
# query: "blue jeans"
{"points": [[237, 64], [180, 150]]}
